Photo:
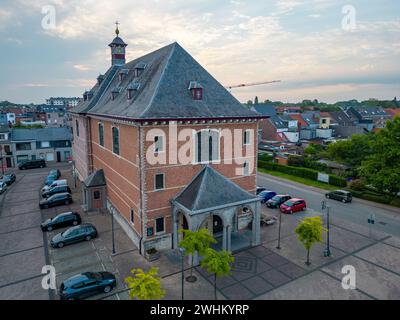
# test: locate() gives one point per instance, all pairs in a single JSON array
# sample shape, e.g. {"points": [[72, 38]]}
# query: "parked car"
{"points": [[56, 173], [266, 195], [259, 190], [31, 164], [267, 220], [49, 180], [341, 195], [61, 220], [8, 179], [55, 183], [276, 201], [56, 200], [75, 234], [3, 187], [55, 190], [87, 284], [293, 205]]}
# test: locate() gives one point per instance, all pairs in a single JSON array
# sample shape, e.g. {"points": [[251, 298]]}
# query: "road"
{"points": [[387, 218]]}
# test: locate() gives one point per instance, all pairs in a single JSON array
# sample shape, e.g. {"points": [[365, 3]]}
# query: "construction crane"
{"points": [[251, 84]]}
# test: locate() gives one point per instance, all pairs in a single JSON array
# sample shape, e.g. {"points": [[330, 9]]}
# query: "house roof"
{"points": [[267, 109], [393, 112], [163, 91], [308, 118], [298, 117], [368, 112], [41, 134], [96, 179], [211, 190], [278, 122]]}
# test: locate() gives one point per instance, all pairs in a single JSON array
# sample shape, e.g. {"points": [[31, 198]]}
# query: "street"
{"points": [[358, 212]]}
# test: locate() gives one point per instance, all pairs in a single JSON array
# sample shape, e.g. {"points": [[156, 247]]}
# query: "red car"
{"points": [[293, 205]]}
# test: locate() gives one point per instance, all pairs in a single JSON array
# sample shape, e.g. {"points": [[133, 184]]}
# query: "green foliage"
{"points": [[310, 150], [145, 286], [34, 126], [217, 262], [309, 232], [381, 167], [337, 181], [353, 151], [265, 157], [196, 241], [357, 185]]}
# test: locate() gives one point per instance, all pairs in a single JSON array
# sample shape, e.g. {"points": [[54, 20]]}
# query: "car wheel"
{"points": [[327, 196], [290, 212], [75, 223], [88, 238], [46, 206], [107, 289], [49, 228], [42, 166], [60, 245], [66, 201], [344, 201]]}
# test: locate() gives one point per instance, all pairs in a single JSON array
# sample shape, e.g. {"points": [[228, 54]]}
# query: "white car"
{"points": [[3, 187], [56, 183]]}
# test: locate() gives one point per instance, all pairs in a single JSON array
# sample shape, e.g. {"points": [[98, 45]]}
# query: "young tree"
{"points": [[382, 167], [145, 286], [195, 241], [218, 263], [309, 232]]}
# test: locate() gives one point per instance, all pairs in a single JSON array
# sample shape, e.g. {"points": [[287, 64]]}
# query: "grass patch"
{"points": [[308, 182]]}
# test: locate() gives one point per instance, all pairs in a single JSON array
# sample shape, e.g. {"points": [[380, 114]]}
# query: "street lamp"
{"points": [[279, 230], [112, 231], [182, 251], [327, 252]]}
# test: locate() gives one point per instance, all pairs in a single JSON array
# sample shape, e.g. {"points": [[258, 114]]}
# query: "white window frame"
{"points": [[155, 181], [119, 140], [98, 129], [216, 161], [43, 145], [246, 168], [247, 133]]}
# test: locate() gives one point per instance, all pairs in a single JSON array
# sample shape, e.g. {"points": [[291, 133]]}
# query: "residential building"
{"points": [[393, 112], [277, 128], [56, 119], [63, 102], [132, 115], [5, 147], [51, 144]]}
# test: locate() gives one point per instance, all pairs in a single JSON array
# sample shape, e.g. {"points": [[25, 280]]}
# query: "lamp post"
{"points": [[112, 231], [182, 251], [327, 252], [74, 169], [279, 230]]}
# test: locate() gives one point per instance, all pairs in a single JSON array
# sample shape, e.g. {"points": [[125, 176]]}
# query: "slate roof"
{"points": [[278, 122], [370, 112], [41, 134], [210, 189], [163, 92], [96, 179], [267, 109]]}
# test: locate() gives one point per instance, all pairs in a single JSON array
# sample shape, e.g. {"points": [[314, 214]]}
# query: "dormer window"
{"points": [[100, 79], [132, 88], [89, 95], [122, 73], [114, 92], [85, 96], [196, 89], [138, 69]]}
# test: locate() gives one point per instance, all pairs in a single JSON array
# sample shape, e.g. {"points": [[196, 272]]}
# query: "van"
{"points": [[55, 183], [31, 164], [340, 195]]}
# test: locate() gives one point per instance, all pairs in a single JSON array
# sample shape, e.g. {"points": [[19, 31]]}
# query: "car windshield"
{"points": [[276, 198], [289, 203], [68, 232], [93, 275]]}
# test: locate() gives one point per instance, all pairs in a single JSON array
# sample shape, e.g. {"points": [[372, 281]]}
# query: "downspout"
{"points": [[141, 177]]}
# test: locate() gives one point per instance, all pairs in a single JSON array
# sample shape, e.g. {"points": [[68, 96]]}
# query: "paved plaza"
{"points": [[262, 272]]}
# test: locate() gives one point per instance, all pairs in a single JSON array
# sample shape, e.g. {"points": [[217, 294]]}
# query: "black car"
{"points": [[61, 220], [31, 164], [341, 195], [56, 173], [87, 284], [56, 200], [259, 190], [55, 190], [277, 200], [9, 179], [75, 234]]}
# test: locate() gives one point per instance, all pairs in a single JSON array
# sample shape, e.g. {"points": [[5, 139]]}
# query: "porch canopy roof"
{"points": [[209, 191], [96, 179]]}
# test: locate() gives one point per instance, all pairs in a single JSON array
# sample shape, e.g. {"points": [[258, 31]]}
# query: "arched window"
{"points": [[115, 139], [207, 146], [101, 134]]}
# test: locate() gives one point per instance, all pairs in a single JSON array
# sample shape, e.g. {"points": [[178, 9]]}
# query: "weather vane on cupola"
{"points": [[117, 30]]}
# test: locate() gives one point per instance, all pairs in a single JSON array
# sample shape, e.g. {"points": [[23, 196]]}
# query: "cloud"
{"points": [[82, 67]]}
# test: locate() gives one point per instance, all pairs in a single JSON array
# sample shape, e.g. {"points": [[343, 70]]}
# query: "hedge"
{"points": [[301, 172]]}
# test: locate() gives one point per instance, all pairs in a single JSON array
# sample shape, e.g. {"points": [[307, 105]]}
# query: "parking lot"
{"points": [[263, 272]]}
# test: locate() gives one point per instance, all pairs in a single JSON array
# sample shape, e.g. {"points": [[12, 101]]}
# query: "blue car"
{"points": [[50, 179], [87, 284], [266, 195]]}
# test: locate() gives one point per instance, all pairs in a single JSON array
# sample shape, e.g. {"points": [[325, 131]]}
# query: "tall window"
{"points": [[132, 216], [246, 137], [207, 146], [160, 225], [77, 127], [101, 134], [246, 168], [159, 183], [115, 139], [158, 144]]}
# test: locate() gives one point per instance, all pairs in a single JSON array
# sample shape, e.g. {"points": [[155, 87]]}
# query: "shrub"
{"points": [[357, 185], [395, 202], [337, 181]]}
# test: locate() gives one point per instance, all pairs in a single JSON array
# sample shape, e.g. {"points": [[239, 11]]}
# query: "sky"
{"points": [[330, 50]]}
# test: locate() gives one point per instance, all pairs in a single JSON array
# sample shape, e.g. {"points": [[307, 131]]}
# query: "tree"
{"points": [[309, 232], [382, 167], [195, 241], [256, 100], [145, 286], [218, 263], [310, 150]]}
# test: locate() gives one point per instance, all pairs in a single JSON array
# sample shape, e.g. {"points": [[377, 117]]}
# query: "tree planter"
{"points": [[151, 254]]}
